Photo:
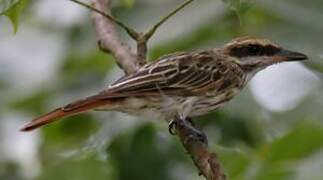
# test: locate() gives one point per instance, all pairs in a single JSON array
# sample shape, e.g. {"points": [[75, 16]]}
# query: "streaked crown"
{"points": [[250, 46]]}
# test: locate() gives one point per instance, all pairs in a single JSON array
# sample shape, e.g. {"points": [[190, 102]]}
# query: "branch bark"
{"points": [[109, 39], [196, 144]]}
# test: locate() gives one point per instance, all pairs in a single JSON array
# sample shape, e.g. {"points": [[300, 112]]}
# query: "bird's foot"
{"points": [[186, 128], [190, 120], [176, 121], [172, 127]]}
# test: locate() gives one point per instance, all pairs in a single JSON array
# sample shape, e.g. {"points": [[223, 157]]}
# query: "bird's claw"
{"points": [[172, 127], [173, 123]]}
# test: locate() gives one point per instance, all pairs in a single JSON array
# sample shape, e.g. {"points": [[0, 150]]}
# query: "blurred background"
{"points": [[273, 130]]}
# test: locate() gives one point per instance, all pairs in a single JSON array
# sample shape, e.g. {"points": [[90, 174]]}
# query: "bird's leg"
{"points": [[186, 125], [172, 124], [190, 120], [196, 145]]}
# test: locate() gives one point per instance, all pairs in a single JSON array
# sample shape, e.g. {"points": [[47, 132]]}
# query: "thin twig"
{"points": [[140, 38], [153, 29], [144, 38], [142, 49], [133, 33]]}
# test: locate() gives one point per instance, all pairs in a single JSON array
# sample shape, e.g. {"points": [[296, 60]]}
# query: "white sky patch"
{"points": [[60, 12], [18, 146], [282, 87], [189, 18], [30, 57]]}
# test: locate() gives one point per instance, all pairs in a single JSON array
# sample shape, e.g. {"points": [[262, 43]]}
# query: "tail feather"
{"points": [[68, 110], [45, 119]]}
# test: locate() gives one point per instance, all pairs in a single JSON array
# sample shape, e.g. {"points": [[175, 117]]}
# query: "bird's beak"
{"points": [[286, 55]]}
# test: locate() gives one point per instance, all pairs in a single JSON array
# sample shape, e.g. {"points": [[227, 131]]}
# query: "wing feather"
{"points": [[185, 74]]}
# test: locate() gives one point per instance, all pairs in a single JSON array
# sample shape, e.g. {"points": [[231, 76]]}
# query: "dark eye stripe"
{"points": [[253, 50]]}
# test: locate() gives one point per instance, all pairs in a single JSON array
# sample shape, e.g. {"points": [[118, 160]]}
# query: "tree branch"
{"points": [[141, 38], [196, 144], [108, 38], [134, 34]]}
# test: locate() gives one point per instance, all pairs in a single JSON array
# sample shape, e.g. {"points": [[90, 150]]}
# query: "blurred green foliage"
{"points": [[276, 159], [79, 71], [35, 103], [128, 3], [302, 141], [127, 150], [147, 152]]}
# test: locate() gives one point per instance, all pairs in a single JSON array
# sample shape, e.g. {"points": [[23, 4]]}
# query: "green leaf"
{"points": [[304, 140], [276, 172], [81, 70], [137, 155], [14, 11], [235, 162], [239, 7], [69, 132], [128, 3], [83, 167], [35, 103]]}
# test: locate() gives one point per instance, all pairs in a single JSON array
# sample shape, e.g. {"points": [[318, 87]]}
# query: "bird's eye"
{"points": [[254, 50]]}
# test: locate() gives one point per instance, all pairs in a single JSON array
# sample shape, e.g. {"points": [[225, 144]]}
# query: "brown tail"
{"points": [[70, 109]]}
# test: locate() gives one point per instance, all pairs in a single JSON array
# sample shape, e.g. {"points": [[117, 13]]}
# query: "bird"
{"points": [[184, 84]]}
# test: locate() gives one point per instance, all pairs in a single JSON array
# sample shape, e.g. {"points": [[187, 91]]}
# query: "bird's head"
{"points": [[254, 54]]}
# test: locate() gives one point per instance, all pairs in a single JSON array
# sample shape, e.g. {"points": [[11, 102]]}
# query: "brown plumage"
{"points": [[70, 109], [185, 84]]}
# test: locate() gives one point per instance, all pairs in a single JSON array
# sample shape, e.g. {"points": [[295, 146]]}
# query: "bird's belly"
{"points": [[167, 107], [150, 107], [206, 104]]}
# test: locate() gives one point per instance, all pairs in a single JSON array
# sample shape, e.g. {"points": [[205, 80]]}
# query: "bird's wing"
{"points": [[184, 74]]}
